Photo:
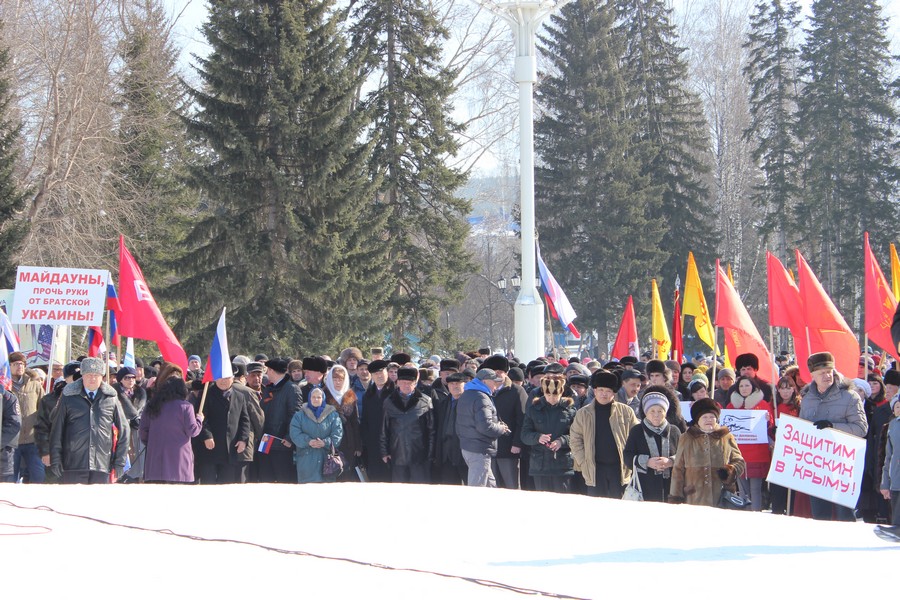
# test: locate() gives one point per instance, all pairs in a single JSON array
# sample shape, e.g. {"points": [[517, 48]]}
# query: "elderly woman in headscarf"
{"points": [[315, 430], [652, 445], [339, 394]]}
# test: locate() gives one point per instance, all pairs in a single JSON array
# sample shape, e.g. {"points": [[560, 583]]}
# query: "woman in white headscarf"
{"points": [[339, 394]]}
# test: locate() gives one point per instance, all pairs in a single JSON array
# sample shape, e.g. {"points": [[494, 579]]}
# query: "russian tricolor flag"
{"points": [[266, 443], [219, 362], [112, 305], [557, 302], [96, 346]]}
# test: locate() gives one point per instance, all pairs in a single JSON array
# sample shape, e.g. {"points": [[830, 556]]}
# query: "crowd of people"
{"points": [[480, 419]]}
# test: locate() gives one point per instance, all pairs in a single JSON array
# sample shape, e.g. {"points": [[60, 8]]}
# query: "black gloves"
{"points": [[823, 424]]}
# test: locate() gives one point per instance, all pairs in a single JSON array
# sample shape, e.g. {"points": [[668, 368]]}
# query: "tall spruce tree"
{"points": [[670, 117], [12, 195], [847, 124], [149, 169], [772, 68], [400, 41], [596, 212], [290, 241]]}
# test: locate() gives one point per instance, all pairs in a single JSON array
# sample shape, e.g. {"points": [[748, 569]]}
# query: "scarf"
{"points": [[649, 430], [747, 403], [317, 410], [337, 394]]}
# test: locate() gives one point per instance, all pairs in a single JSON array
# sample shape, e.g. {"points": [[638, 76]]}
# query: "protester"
{"points": [[339, 394], [89, 436], [890, 473], [408, 431], [9, 435], [545, 430], [707, 460], [478, 427], [168, 423], [449, 465], [27, 389], [372, 421], [225, 434], [316, 431], [652, 445], [280, 400], [830, 403], [747, 396], [597, 438]]}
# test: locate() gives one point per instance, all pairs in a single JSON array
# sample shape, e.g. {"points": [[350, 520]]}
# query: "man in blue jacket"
{"points": [[478, 427]]}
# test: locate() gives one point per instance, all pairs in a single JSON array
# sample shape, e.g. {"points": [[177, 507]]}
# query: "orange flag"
{"points": [[822, 315], [881, 304], [741, 335], [786, 310], [627, 338]]}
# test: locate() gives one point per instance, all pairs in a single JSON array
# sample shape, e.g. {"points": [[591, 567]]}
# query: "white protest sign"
{"points": [[747, 426], [685, 409], [826, 463], [59, 296]]}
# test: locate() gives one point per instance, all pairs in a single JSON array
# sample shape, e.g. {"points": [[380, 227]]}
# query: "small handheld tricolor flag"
{"points": [[266, 443]]}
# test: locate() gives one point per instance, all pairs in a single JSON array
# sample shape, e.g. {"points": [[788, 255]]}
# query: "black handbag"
{"points": [[334, 464], [732, 501]]}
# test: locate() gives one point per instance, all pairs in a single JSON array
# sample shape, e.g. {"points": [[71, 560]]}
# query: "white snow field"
{"points": [[397, 541]]}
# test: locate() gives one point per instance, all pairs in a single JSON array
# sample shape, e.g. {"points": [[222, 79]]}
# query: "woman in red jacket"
{"points": [[748, 396]]}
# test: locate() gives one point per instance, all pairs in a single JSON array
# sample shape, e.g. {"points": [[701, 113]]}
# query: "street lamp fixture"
{"points": [[524, 17]]}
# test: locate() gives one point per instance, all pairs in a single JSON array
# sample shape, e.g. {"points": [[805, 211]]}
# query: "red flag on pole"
{"points": [[140, 317], [627, 338], [741, 335], [822, 315], [880, 304], [677, 338], [786, 310]]}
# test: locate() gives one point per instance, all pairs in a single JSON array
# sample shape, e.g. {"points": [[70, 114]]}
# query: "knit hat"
{"points": [[725, 373], [695, 385], [654, 397], [894, 401], [195, 357], [863, 385], [820, 360], [92, 366], [701, 407], [124, 372], [516, 374]]}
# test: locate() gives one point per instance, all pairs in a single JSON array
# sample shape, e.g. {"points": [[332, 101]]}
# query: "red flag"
{"points": [[820, 314], [140, 317], [677, 338], [627, 338], [741, 335], [880, 304], [786, 310]]}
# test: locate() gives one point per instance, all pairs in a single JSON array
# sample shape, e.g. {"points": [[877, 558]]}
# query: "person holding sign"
{"points": [[707, 460], [748, 396], [829, 402]]}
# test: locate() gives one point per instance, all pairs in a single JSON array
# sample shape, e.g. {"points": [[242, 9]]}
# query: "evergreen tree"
{"points": [[400, 41], [12, 196], [596, 212], [290, 241], [670, 118], [847, 122], [772, 73], [149, 168]]}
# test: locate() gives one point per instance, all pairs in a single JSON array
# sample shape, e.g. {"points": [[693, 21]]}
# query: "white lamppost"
{"points": [[524, 17]]}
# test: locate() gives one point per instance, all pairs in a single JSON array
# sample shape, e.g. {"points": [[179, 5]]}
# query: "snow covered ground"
{"points": [[407, 541]]}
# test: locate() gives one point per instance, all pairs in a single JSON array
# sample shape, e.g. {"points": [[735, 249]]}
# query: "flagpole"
{"points": [[715, 361], [203, 397], [866, 354], [777, 371], [107, 344], [550, 327], [48, 384]]}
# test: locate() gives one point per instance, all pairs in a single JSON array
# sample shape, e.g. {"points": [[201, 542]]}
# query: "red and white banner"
{"points": [[59, 296], [825, 463]]}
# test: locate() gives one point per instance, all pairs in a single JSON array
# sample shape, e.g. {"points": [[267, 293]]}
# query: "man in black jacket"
{"points": [[225, 433], [89, 437], [408, 432], [373, 420], [280, 400], [9, 434]]}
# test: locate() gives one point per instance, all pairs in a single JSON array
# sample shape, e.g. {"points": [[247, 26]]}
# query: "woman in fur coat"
{"points": [[707, 460], [337, 386], [546, 431]]}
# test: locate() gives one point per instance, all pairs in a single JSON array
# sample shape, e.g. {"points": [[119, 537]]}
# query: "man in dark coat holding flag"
{"points": [[281, 398]]}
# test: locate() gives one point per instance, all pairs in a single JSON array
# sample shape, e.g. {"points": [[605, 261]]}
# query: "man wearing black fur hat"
{"points": [[314, 369], [372, 419], [408, 432], [510, 401], [281, 398]]}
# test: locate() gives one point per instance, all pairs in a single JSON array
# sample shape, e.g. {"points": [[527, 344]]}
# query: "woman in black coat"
{"points": [[652, 444], [545, 430]]}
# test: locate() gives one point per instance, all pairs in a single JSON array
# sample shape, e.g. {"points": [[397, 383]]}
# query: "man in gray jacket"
{"points": [[478, 427], [829, 402]]}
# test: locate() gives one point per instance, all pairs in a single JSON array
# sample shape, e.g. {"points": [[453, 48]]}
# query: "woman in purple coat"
{"points": [[167, 425]]}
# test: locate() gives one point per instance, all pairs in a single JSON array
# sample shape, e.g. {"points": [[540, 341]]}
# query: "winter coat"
{"points": [[305, 427], [279, 403], [700, 455], [9, 432], [226, 422], [29, 394], [582, 439], [890, 474], [351, 440], [510, 401], [167, 437], [446, 442], [44, 420], [838, 404], [81, 438], [673, 415], [542, 417], [654, 484], [370, 426], [132, 405], [477, 424], [257, 424], [408, 432], [756, 456]]}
